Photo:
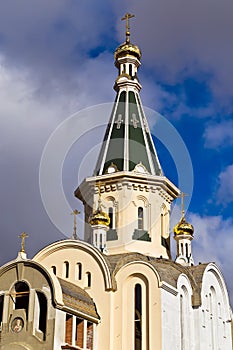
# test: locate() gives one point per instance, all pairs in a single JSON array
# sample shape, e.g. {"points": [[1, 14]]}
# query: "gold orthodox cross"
{"points": [[126, 18], [23, 236], [75, 212], [182, 195]]}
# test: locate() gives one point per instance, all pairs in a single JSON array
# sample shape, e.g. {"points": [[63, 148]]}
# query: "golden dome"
{"points": [[127, 49], [183, 228], [99, 218]]}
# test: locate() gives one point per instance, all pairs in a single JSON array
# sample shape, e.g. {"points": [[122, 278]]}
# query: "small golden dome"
{"points": [[99, 218], [183, 228], [127, 49]]}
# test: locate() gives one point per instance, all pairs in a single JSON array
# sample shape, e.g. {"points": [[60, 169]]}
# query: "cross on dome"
{"points": [[126, 19]]}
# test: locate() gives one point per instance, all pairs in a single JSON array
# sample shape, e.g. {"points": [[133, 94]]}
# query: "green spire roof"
{"points": [[127, 144]]}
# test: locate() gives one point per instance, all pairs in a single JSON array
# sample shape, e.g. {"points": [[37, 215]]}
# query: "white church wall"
{"points": [[170, 321], [215, 310]]}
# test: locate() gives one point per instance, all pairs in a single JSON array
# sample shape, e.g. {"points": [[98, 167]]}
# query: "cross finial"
{"points": [[75, 212], [126, 18], [23, 236], [182, 195]]}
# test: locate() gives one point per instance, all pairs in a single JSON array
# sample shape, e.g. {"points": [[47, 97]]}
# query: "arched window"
{"points": [[88, 275], [42, 313], [22, 296], [66, 269], [140, 219], [138, 317], [79, 271], [54, 269]]}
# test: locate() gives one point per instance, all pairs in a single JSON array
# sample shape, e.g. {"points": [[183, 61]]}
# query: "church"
{"points": [[118, 288]]}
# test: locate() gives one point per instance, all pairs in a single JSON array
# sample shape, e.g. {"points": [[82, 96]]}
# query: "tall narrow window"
{"points": [[182, 249], [42, 313], [110, 214], [138, 317], [79, 335], [162, 224], [88, 279], [79, 271], [22, 296], [69, 325], [1, 308], [101, 240], [67, 268], [89, 335], [130, 70], [140, 218], [187, 250], [54, 269]]}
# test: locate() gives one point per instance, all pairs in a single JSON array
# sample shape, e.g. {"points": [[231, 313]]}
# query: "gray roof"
{"points": [[78, 299], [168, 271]]}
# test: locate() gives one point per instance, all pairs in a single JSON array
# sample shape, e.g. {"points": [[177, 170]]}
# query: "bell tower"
{"points": [[135, 194]]}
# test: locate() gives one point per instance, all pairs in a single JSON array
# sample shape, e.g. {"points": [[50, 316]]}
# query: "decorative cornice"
{"points": [[137, 182]]}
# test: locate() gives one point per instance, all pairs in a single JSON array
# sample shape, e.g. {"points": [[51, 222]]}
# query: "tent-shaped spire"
{"points": [[127, 144]]}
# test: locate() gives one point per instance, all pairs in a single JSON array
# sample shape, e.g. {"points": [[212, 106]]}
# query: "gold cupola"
{"points": [[183, 228], [127, 49], [99, 217]]}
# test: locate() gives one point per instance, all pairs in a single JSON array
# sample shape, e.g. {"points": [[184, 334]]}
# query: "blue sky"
{"points": [[56, 58]]}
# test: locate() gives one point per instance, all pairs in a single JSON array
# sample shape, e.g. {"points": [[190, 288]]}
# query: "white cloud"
{"points": [[219, 134], [225, 189]]}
